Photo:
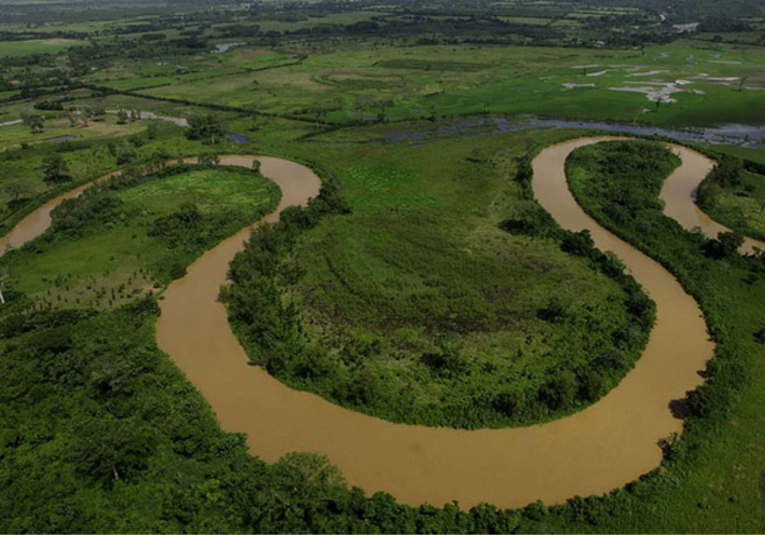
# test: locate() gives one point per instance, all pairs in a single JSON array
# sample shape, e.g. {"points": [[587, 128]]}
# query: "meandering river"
{"points": [[600, 448], [593, 451], [679, 195]]}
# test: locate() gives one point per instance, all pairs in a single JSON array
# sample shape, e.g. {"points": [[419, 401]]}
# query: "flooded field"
{"points": [[729, 134]]}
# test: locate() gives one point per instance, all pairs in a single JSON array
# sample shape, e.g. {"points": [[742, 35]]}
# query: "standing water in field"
{"points": [[225, 47], [236, 137], [729, 134]]}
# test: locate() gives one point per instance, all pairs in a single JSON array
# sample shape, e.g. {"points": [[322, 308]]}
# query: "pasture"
{"points": [[36, 46], [678, 85]]}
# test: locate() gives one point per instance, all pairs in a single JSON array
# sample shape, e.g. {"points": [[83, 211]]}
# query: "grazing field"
{"points": [[39, 46], [676, 85], [681, 85], [59, 129], [179, 71]]}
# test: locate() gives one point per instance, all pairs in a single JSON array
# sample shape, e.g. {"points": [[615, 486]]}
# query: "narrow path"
{"points": [[603, 447]]}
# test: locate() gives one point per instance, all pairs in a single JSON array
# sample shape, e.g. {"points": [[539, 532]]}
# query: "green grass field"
{"points": [[38, 46], [119, 249], [679, 85], [421, 270]]}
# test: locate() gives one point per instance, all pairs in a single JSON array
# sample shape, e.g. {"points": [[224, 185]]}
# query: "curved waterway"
{"points": [[36, 222], [605, 446], [679, 196], [39, 220], [593, 451]]}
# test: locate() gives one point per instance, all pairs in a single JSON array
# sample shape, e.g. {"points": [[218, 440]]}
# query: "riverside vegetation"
{"points": [[735, 196], [424, 285], [136, 232]]}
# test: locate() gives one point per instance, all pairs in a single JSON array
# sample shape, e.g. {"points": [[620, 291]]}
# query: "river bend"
{"points": [[605, 446]]}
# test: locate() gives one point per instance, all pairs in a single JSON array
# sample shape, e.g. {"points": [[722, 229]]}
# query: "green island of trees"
{"points": [[406, 316]]}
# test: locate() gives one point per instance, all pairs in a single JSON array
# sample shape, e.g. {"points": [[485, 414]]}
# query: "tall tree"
{"points": [[55, 169], [35, 122], [206, 128]]}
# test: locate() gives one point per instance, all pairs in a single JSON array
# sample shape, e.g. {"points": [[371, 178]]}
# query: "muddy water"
{"points": [[37, 222], [679, 194], [603, 447], [594, 451]]}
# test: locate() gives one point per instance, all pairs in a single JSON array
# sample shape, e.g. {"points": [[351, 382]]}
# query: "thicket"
{"points": [[730, 182], [726, 174], [267, 326]]}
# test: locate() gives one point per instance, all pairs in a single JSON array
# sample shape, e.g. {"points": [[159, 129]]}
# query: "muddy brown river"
{"points": [[679, 194], [36, 222], [603, 447], [593, 451]]}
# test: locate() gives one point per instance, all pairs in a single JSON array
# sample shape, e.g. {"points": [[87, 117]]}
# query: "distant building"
{"points": [[686, 28]]}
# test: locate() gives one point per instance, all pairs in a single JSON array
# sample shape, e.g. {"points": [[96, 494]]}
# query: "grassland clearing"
{"points": [[403, 276], [103, 263], [713, 86], [39, 46]]}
